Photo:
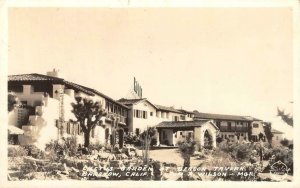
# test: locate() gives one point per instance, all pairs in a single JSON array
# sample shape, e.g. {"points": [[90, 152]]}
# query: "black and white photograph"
{"points": [[187, 94]]}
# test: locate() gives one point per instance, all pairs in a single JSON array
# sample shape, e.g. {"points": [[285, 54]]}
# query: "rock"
{"points": [[80, 165], [124, 156], [112, 157], [36, 161], [74, 169]]}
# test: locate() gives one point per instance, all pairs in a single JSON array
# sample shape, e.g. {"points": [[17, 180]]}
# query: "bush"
{"points": [[219, 139], [35, 152], [243, 152], [240, 151], [285, 155], [284, 142], [132, 139], [153, 142], [17, 151]]}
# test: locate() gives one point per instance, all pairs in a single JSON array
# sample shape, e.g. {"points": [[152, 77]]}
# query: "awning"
{"points": [[14, 130]]}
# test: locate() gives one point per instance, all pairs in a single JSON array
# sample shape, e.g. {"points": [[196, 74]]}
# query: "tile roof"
{"points": [[45, 78], [185, 111], [200, 115], [130, 101], [33, 77], [169, 109], [276, 131], [181, 124]]}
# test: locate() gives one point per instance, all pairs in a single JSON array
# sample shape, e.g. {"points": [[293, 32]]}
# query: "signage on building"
{"points": [[137, 88]]}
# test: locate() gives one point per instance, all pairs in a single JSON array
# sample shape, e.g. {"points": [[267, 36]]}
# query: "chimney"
{"points": [[54, 73]]}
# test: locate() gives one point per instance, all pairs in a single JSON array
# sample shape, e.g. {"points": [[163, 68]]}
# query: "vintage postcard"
{"points": [[124, 93]]}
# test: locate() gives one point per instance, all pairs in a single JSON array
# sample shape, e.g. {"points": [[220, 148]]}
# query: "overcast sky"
{"points": [[222, 60]]}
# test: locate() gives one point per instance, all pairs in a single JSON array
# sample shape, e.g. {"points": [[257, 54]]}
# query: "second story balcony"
{"points": [[122, 119]]}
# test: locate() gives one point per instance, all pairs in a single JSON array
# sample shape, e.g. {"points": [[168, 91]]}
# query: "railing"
{"points": [[233, 129], [122, 119]]}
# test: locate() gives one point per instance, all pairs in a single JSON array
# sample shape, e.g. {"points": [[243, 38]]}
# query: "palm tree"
{"points": [[287, 118], [88, 114]]}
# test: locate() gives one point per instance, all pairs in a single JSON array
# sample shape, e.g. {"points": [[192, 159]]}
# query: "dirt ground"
{"points": [[172, 156]]}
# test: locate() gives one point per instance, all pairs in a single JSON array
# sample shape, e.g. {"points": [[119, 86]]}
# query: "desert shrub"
{"points": [[284, 142], [35, 152], [239, 151], [285, 155], [17, 151], [227, 146], [132, 139], [242, 152], [219, 139], [220, 159], [60, 148], [95, 147], [153, 142]]}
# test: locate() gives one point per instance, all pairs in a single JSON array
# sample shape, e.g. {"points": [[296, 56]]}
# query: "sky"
{"points": [[214, 60]]}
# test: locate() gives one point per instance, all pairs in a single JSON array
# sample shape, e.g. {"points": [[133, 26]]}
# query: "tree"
{"points": [[285, 142], [250, 133], [88, 113], [148, 135], [187, 149], [287, 118], [12, 101], [268, 132]]}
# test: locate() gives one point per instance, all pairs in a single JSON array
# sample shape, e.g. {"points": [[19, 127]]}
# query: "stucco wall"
{"points": [[140, 122], [156, 118], [259, 129]]}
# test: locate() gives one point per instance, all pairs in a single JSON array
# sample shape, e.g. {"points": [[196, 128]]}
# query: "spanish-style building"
{"points": [[172, 133], [46, 100], [46, 113], [142, 114], [234, 125]]}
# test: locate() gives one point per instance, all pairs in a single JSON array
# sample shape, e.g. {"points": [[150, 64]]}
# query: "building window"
{"points": [[151, 113], [137, 131], [218, 124], [229, 125], [180, 133], [144, 114], [175, 118], [255, 125], [182, 117], [175, 134]]}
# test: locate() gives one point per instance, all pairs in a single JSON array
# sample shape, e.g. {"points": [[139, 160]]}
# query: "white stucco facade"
{"points": [[42, 122], [150, 116]]}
